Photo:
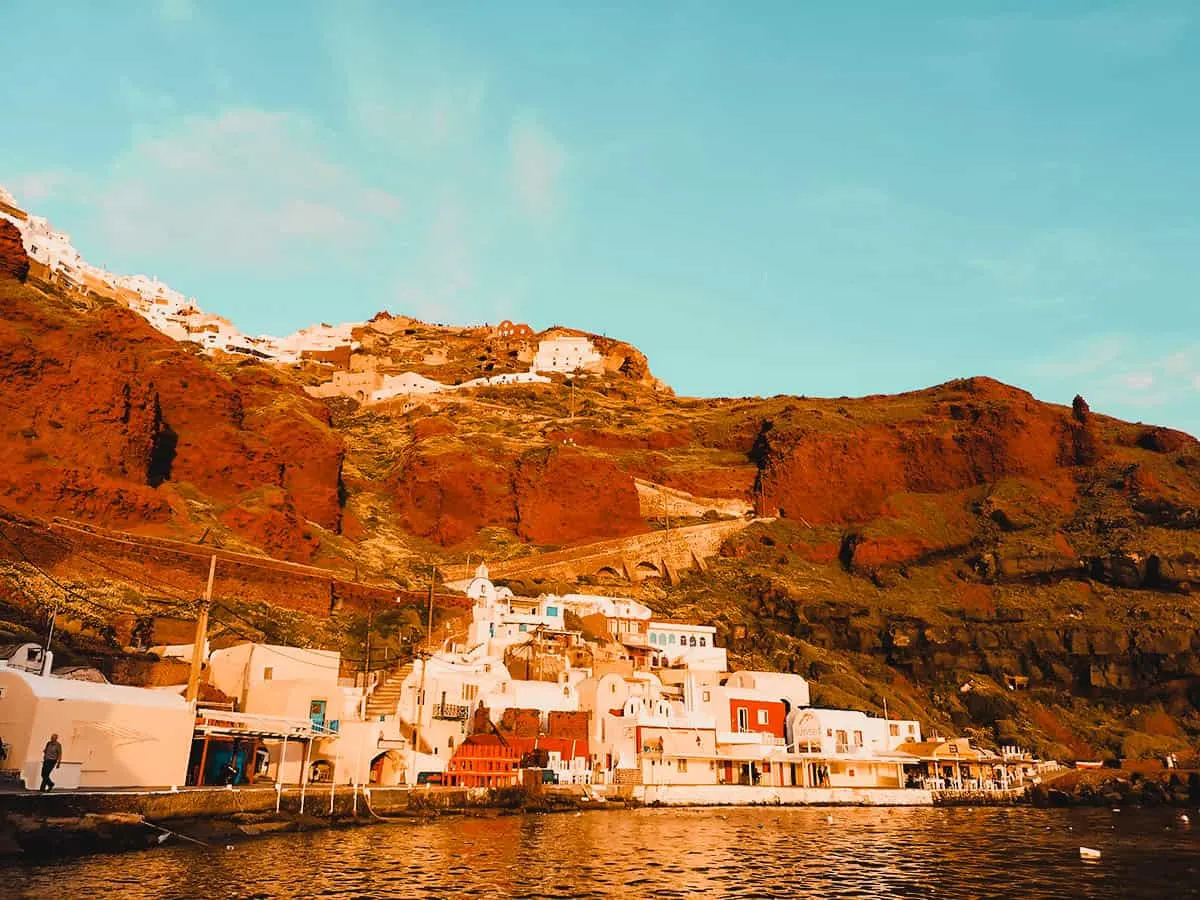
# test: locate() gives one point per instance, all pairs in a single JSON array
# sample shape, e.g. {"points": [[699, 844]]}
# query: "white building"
{"points": [[405, 384], [847, 731], [609, 607], [28, 657], [567, 354], [683, 643], [289, 682], [499, 620], [791, 689], [111, 735]]}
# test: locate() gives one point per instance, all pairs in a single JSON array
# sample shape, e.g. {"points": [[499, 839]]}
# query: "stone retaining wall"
{"points": [[748, 795]]}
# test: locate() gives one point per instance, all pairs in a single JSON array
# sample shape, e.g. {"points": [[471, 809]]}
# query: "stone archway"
{"points": [[388, 769], [608, 575]]}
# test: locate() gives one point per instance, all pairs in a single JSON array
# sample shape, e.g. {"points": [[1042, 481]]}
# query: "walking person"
{"points": [[51, 760]]}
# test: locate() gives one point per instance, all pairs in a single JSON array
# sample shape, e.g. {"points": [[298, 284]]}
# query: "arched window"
{"points": [[692, 641], [703, 642]]}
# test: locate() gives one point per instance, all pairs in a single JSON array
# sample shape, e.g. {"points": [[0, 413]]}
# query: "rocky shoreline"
{"points": [[64, 826], [1118, 787]]}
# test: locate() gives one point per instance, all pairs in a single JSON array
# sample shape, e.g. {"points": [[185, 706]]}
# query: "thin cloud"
{"points": [[1099, 354], [175, 12], [244, 187], [536, 166]]}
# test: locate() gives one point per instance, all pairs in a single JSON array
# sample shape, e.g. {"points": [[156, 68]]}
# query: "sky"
{"points": [[797, 197]]}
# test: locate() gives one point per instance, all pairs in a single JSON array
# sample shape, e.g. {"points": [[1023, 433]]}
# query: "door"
{"points": [[743, 716], [316, 714]]}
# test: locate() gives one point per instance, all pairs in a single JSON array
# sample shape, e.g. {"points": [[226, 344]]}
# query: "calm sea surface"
{"points": [[943, 853]]}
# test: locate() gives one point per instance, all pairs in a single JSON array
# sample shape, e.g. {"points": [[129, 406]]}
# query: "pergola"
{"points": [[221, 727]]}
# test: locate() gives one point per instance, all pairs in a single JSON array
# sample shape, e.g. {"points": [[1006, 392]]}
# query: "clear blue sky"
{"points": [[799, 197]]}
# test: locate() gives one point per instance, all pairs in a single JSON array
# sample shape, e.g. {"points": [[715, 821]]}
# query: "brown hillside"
{"points": [[952, 536]]}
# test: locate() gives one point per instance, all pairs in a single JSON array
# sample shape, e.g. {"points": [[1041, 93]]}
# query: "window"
{"points": [[692, 641], [762, 717], [524, 627], [703, 642], [268, 671], [552, 610], [894, 729], [743, 718], [911, 729], [858, 739], [671, 639], [450, 743], [683, 765], [470, 692], [843, 745], [653, 638], [706, 696]]}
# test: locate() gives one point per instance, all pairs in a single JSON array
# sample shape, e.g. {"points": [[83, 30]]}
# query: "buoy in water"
{"points": [[829, 819], [1088, 853]]}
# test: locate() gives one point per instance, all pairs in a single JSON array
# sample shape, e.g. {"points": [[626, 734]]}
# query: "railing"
{"points": [[749, 737], [451, 711]]}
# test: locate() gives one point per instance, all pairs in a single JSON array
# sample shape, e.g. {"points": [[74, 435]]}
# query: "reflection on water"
{"points": [[763, 852]]}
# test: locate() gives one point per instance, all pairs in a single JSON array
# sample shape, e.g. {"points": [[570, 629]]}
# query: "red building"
{"points": [[485, 760], [750, 711]]}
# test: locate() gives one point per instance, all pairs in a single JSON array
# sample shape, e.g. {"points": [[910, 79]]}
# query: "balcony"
{"points": [[750, 737], [452, 712]]}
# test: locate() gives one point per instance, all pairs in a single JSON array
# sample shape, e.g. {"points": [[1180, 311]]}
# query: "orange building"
{"points": [[486, 760]]}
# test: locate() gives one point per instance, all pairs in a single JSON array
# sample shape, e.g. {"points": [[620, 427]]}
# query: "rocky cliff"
{"points": [[965, 552]]}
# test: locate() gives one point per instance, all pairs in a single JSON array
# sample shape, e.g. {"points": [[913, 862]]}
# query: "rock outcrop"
{"points": [[104, 419], [14, 262]]}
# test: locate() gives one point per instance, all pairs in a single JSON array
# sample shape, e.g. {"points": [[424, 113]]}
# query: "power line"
{"points": [[161, 585], [70, 545]]}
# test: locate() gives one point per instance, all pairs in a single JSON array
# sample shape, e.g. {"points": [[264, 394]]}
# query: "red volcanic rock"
{"points": [[451, 495], [278, 531], [565, 496], [846, 476], [432, 426], [14, 262], [606, 440], [875, 553], [101, 415], [1164, 440], [557, 496]]}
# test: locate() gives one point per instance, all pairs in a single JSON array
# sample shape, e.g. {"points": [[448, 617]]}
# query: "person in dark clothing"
{"points": [[51, 760]]}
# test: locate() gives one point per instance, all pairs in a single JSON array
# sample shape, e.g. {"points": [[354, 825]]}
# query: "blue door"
{"points": [[316, 713]]}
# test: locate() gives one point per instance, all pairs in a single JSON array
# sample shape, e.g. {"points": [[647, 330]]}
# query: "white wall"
{"points": [[120, 736], [778, 685]]}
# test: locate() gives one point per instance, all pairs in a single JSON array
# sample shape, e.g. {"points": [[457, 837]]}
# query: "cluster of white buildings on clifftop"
{"points": [[180, 318]]}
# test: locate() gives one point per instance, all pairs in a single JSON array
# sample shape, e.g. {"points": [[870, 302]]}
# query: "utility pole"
{"points": [[366, 660], [193, 686], [49, 637], [429, 612], [416, 732]]}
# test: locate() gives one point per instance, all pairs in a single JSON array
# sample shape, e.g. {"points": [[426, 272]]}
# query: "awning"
{"points": [[228, 724]]}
